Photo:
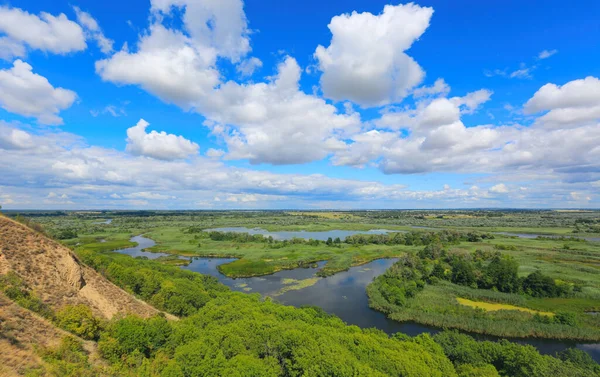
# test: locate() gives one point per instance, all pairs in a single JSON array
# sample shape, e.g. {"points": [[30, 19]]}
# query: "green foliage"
{"points": [[509, 359], [502, 273], [30, 223], [79, 320], [68, 359], [15, 289], [470, 370], [133, 334], [463, 272], [539, 285], [169, 288]]}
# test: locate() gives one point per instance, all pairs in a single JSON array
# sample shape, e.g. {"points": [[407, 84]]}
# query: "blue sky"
{"points": [[355, 104]]}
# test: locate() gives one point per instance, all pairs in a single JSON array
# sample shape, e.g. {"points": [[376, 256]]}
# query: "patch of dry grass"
{"points": [[491, 307]]}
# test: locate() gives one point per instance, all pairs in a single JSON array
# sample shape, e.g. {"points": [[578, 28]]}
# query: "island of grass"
{"points": [[486, 291]]}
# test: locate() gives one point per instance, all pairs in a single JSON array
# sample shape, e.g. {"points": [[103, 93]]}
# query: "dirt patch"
{"points": [[55, 274]]}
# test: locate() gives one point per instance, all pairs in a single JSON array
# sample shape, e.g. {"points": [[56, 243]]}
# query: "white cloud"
{"points": [[574, 103], [546, 54], [246, 68], [439, 87], [219, 25], [366, 61], [275, 122], [473, 100], [14, 138], [499, 189], [266, 122], [147, 195], [29, 94], [9, 49], [215, 153], [159, 145], [94, 177], [56, 34], [432, 138], [166, 64], [576, 93], [522, 73], [93, 30]]}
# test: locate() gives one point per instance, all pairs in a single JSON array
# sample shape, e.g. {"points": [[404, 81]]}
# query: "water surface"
{"points": [[533, 236], [288, 235], [104, 222]]}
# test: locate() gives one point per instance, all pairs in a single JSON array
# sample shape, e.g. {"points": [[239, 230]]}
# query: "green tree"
{"points": [[502, 274], [463, 272], [539, 285]]}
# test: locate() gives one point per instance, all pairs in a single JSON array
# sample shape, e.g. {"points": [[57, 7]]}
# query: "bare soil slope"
{"points": [[53, 272], [20, 330]]}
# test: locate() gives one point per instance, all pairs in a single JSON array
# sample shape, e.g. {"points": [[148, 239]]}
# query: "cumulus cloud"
{"points": [[264, 122], [55, 34], [574, 103], [29, 94], [432, 138], [159, 145], [166, 64], [500, 188], [275, 122], [93, 30], [366, 60], [218, 25]]}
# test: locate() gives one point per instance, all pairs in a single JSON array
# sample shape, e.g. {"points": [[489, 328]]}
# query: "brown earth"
{"points": [[57, 277]]}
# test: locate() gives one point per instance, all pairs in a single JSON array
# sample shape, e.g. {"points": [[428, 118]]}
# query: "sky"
{"points": [[226, 104]]}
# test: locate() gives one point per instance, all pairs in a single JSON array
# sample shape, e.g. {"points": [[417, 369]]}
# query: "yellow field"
{"points": [[491, 307], [325, 215]]}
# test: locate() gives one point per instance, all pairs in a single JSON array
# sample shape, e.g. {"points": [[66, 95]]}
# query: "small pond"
{"points": [[342, 294], [105, 222]]}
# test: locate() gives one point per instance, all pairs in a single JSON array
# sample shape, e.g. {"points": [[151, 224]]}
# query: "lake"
{"points": [[531, 236], [343, 294], [288, 235]]}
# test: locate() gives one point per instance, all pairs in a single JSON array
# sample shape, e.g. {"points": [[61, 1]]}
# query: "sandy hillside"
{"points": [[57, 277]]}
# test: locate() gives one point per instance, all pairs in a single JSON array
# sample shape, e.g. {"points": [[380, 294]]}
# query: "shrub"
{"points": [[79, 320]]}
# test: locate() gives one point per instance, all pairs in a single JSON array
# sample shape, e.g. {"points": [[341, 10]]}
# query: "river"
{"points": [[343, 294]]}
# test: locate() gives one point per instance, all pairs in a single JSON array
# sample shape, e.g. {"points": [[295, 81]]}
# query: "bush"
{"points": [[540, 285], [80, 321], [565, 318]]}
